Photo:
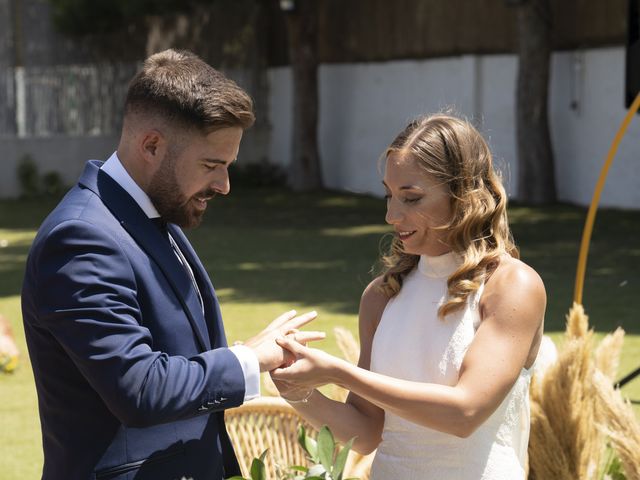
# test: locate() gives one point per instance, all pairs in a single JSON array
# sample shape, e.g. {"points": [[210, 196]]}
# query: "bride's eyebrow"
{"points": [[404, 187]]}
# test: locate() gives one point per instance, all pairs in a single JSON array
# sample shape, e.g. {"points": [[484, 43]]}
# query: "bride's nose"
{"points": [[394, 214]]}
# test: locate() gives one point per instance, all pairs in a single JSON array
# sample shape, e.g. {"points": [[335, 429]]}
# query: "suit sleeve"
{"points": [[86, 298]]}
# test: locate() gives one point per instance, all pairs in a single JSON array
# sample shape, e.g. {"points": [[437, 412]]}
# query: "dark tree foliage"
{"points": [[81, 17]]}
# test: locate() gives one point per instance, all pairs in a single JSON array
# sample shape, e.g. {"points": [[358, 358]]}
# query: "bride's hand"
{"points": [[292, 393], [311, 368]]}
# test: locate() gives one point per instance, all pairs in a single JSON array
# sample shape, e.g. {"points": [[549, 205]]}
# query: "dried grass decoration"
{"points": [[577, 415]]}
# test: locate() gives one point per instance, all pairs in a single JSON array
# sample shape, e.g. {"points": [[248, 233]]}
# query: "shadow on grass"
{"points": [[19, 219], [313, 249], [266, 245], [550, 240]]}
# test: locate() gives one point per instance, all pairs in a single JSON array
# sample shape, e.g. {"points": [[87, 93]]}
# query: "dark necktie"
{"points": [[162, 226]]}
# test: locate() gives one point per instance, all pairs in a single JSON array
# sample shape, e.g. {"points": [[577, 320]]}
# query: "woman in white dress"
{"points": [[448, 332]]}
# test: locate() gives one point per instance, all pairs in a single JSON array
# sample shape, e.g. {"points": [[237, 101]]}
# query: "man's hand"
{"points": [[270, 354]]}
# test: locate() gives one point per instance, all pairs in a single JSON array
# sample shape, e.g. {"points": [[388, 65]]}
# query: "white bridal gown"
{"points": [[412, 343]]}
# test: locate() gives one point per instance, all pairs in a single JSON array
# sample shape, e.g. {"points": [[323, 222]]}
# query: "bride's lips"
{"points": [[406, 234]]}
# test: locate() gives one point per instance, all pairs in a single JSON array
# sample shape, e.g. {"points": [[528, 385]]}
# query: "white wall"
{"points": [[496, 113], [362, 107], [582, 136], [63, 154]]}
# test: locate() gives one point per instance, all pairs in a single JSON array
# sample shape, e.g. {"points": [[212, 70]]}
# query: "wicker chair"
{"points": [[271, 423]]}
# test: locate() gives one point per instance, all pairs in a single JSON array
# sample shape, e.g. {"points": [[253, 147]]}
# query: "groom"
{"points": [[124, 331]]}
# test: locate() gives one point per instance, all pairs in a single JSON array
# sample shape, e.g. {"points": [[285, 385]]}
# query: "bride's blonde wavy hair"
{"points": [[453, 151]]}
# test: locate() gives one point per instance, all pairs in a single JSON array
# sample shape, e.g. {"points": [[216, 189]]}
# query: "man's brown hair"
{"points": [[187, 92]]}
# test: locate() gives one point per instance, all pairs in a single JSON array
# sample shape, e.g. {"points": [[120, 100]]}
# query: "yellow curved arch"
{"points": [[591, 214]]}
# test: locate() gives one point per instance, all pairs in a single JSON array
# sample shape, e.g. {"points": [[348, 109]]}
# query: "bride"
{"points": [[448, 332]]}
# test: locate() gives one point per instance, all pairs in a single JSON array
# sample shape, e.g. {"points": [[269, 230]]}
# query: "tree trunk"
{"points": [[302, 25], [536, 176]]}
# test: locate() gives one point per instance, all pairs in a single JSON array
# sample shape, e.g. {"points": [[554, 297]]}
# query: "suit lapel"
{"points": [[144, 232], [211, 305]]}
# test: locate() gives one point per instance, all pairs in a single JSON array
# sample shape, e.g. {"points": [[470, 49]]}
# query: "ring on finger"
{"points": [[291, 335]]}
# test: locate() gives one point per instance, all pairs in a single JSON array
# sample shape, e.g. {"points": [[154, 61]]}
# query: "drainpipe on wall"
{"points": [[478, 88], [19, 74], [21, 102]]}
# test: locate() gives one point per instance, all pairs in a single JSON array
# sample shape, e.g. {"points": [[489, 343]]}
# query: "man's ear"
{"points": [[152, 147]]}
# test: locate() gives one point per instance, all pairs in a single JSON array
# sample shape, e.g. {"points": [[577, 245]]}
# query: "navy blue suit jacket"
{"points": [[132, 378]]}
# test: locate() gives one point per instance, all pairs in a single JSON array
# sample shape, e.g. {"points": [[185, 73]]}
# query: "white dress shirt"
{"points": [[248, 360]]}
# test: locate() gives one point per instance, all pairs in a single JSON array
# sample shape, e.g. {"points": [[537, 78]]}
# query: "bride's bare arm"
{"points": [[356, 417], [512, 310]]}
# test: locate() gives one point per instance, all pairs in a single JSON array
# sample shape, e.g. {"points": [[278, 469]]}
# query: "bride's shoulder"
{"points": [[514, 273], [514, 283], [372, 304], [374, 293]]}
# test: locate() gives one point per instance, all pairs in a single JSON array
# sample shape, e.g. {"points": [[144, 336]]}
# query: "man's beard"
{"points": [[165, 194]]}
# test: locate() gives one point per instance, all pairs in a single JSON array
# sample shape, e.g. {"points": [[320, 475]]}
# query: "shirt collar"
{"points": [[114, 168]]}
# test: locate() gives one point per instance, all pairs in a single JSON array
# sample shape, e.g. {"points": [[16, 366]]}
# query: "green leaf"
{"points": [[615, 470], [612, 467], [299, 468], [308, 444], [258, 470], [237, 477], [312, 449], [341, 460], [326, 447], [302, 435]]}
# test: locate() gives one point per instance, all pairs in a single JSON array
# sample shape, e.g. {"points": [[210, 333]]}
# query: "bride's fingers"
{"points": [[291, 345], [280, 374], [289, 376]]}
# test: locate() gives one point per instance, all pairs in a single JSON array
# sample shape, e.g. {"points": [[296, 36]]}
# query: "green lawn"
{"points": [[268, 251]]}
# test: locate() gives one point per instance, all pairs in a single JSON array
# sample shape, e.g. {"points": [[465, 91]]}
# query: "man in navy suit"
{"points": [[124, 331]]}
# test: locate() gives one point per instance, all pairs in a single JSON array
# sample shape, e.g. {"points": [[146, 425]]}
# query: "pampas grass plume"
{"points": [[616, 419], [607, 355], [563, 439], [576, 412]]}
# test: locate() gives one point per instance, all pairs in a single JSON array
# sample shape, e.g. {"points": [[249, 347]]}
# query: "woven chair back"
{"points": [[271, 423]]}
